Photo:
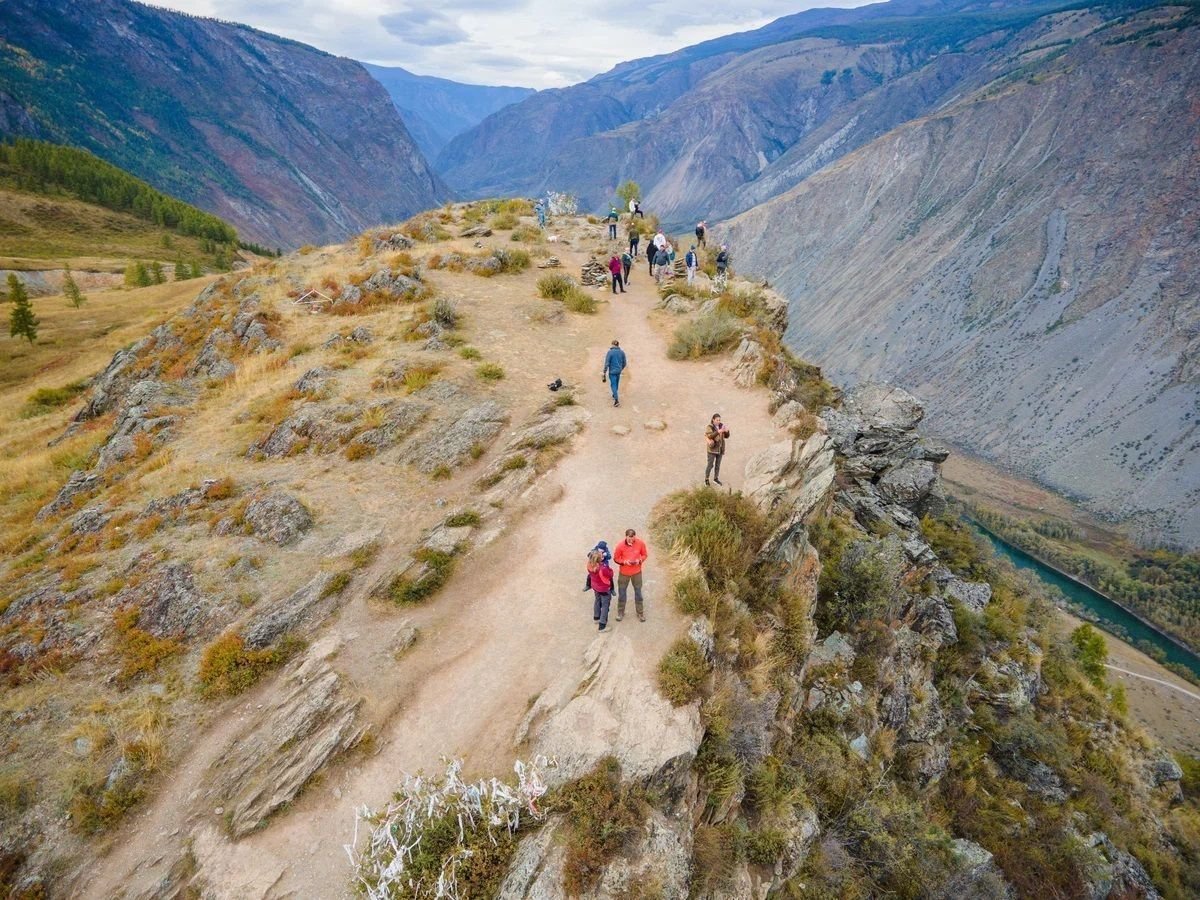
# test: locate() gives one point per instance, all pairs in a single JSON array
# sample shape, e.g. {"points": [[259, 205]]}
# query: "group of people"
{"points": [[630, 555]]}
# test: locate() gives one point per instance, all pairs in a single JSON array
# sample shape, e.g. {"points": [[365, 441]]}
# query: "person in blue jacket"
{"points": [[614, 364]]}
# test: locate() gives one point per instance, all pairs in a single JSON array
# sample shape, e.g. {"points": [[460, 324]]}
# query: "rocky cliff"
{"points": [[1025, 259], [289, 144]]}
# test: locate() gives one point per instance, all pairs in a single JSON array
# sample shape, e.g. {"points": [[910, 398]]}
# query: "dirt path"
{"points": [[510, 622]]}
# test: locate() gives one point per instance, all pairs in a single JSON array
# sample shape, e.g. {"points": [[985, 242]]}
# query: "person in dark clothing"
{"points": [[612, 218], [614, 266], [637, 209], [701, 230], [722, 260], [635, 238], [662, 260], [626, 265], [614, 364], [715, 436]]}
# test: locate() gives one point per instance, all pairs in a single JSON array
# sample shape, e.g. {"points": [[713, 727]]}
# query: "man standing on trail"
{"points": [[691, 261], [635, 238], [540, 209], [701, 228], [626, 265], [614, 364], [600, 579], [612, 218], [723, 259], [629, 556], [715, 436], [662, 259], [614, 266]]}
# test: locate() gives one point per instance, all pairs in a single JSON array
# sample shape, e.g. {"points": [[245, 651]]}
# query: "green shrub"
{"points": [[1090, 651], [692, 596], [580, 301], [229, 667], [710, 333], [490, 371], [445, 313], [602, 816], [555, 286], [957, 547], [437, 569], [862, 582], [503, 222], [43, 400], [337, 584], [725, 531], [682, 671], [463, 519], [512, 261], [469, 353], [527, 234]]}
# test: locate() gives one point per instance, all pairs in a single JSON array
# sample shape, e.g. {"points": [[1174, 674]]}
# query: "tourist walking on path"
{"points": [[630, 554], [614, 364], [691, 261], [612, 218], [626, 265], [635, 238], [614, 266], [701, 230], [715, 436], [600, 579]]}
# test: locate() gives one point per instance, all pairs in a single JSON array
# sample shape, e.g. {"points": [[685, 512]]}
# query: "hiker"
{"points": [[600, 579], [614, 364], [540, 209], [701, 229], [715, 436], [723, 260], [691, 261], [626, 265], [637, 209], [612, 218], [632, 207], [660, 241], [662, 259], [602, 548], [635, 238], [614, 266], [630, 554]]}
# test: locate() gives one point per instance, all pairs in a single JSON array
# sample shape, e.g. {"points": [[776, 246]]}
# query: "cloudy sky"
{"points": [[535, 43]]}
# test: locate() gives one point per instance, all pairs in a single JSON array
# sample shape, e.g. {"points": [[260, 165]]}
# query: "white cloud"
{"points": [[538, 43]]}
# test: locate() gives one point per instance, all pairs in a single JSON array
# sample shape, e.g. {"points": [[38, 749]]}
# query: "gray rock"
{"points": [[974, 595], [90, 519], [361, 335], [78, 485], [445, 539], [450, 443], [919, 552], [885, 405], [287, 614], [212, 361], [935, 619], [978, 877], [834, 649], [908, 483], [278, 517], [170, 604], [396, 241], [859, 746], [1163, 770], [311, 722], [476, 231], [315, 381], [701, 634], [1117, 873], [400, 423], [394, 284]]}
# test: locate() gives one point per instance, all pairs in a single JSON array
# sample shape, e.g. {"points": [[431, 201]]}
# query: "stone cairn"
{"points": [[594, 273]]}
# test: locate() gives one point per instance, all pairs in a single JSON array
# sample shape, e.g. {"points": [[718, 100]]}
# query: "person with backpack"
{"points": [[629, 556], [626, 265], [662, 260], [614, 266], [612, 218], [614, 364], [715, 436], [701, 229], [692, 261], [600, 580], [635, 238]]}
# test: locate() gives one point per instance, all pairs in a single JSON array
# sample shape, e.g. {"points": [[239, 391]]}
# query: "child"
{"points": [[600, 577]]}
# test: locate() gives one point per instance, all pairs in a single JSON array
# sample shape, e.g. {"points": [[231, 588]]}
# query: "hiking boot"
{"points": [[616, 403], [641, 617], [601, 628], [706, 482], [717, 480], [620, 616]]}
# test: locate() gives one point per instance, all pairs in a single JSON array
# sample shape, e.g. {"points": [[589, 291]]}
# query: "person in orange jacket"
{"points": [[629, 556]]}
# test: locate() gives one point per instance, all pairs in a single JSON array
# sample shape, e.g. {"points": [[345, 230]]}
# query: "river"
{"points": [[1097, 607]]}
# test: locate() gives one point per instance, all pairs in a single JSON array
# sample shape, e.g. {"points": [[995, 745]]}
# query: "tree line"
{"points": [[38, 166]]}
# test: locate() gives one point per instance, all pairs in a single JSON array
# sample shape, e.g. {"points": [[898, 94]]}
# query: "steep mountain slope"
{"points": [[696, 126], [436, 110], [1026, 260], [286, 142]]}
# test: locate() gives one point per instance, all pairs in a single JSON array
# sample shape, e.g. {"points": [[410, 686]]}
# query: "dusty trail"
{"points": [[512, 620], [1167, 684]]}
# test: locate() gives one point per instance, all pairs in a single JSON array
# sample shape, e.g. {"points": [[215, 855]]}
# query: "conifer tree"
{"points": [[71, 289], [181, 271], [156, 272], [21, 321]]}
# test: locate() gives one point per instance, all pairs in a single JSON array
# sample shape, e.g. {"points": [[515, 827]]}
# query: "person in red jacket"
{"points": [[600, 577], [629, 556], [614, 266]]}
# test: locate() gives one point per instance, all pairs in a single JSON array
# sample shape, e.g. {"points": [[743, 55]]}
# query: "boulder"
{"points": [[476, 231], [170, 604], [908, 483], [977, 876], [1117, 873], [834, 649], [310, 720], [746, 362], [1163, 770], [654, 425], [315, 381], [935, 620], [278, 517], [882, 405], [90, 519], [450, 442], [974, 595], [79, 484], [284, 616], [212, 362]]}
